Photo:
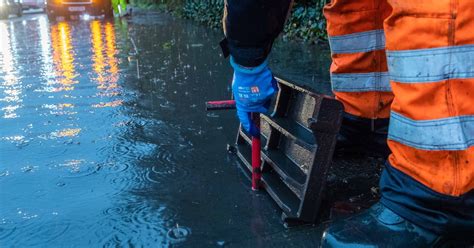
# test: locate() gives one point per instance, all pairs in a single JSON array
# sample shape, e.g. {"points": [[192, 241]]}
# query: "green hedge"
{"points": [[305, 23], [207, 12]]}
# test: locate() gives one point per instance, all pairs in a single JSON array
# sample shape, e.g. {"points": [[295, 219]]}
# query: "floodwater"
{"points": [[104, 140]]}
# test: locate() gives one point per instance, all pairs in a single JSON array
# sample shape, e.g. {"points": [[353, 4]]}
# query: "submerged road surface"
{"points": [[104, 141]]}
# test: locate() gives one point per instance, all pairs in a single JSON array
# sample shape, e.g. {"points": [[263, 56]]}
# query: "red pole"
{"points": [[256, 159], [220, 105], [256, 144]]}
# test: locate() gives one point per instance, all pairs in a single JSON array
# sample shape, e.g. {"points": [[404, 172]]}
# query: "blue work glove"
{"points": [[253, 88]]}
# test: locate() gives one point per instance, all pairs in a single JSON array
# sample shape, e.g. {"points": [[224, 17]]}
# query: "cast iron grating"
{"points": [[299, 139]]}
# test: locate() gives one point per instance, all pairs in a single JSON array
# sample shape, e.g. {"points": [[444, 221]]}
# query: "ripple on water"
{"points": [[138, 224], [123, 184], [170, 163], [114, 167], [5, 232], [113, 211], [168, 105], [76, 168], [126, 150], [46, 149], [166, 172], [178, 234], [122, 149], [125, 179], [37, 233]]}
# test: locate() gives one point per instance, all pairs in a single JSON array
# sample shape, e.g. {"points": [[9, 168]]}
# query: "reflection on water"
{"points": [[63, 56], [105, 62], [10, 86], [47, 70], [53, 185]]}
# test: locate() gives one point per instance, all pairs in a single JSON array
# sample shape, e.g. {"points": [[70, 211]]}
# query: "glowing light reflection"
{"points": [[69, 132], [45, 42], [10, 85], [63, 56], [105, 61]]}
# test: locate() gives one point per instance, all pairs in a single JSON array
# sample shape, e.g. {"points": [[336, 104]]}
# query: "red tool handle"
{"points": [[220, 105], [256, 157]]}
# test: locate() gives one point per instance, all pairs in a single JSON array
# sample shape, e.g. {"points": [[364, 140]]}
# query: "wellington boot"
{"points": [[378, 226]]}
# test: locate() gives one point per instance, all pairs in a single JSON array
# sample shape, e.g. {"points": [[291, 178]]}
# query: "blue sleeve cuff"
{"points": [[249, 70]]}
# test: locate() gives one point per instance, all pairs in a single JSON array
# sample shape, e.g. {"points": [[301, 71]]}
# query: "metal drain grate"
{"points": [[299, 140]]}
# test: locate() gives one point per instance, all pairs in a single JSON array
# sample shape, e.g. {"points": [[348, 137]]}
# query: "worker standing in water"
{"points": [[410, 63]]}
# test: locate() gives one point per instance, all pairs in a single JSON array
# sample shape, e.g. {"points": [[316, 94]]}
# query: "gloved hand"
{"points": [[253, 88]]}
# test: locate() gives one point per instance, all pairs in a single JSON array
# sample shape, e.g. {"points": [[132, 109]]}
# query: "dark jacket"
{"points": [[250, 27]]}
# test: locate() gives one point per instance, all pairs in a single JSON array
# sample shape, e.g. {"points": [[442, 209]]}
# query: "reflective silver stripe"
{"points": [[431, 65], [454, 133], [358, 42], [361, 82]]}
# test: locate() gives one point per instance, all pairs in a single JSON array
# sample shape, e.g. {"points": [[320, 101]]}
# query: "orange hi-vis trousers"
{"points": [[431, 133], [430, 57], [423, 52], [359, 73]]}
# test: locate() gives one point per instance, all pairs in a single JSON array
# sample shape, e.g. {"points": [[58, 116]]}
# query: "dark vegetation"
{"points": [[305, 23]]}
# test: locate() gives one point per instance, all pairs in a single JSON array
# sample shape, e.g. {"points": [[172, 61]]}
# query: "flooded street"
{"points": [[104, 140]]}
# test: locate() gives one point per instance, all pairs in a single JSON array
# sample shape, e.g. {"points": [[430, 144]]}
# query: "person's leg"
{"points": [[359, 72], [427, 186], [429, 178]]}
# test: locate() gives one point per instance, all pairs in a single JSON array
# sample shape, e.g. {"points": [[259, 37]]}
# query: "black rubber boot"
{"points": [[362, 136], [378, 226]]}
